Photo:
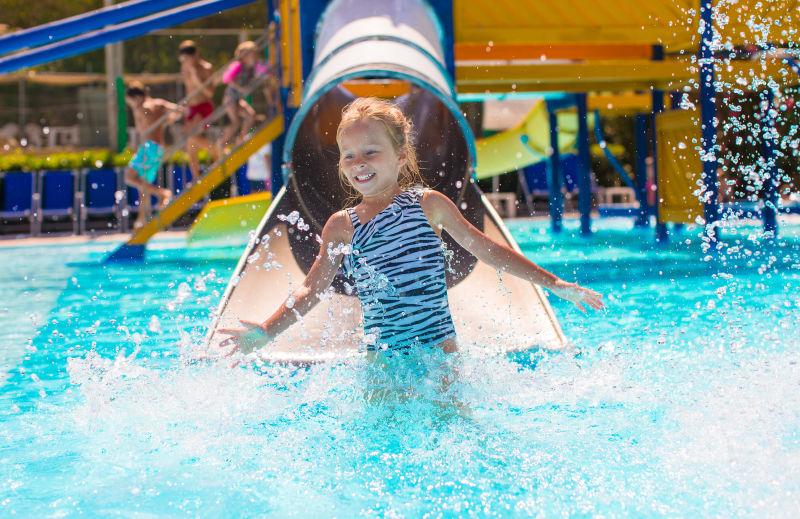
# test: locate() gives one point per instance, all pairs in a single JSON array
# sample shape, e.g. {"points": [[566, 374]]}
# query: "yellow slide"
{"points": [[506, 151], [230, 220]]}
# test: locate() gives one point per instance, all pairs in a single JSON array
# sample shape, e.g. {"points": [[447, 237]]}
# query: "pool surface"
{"points": [[682, 399]]}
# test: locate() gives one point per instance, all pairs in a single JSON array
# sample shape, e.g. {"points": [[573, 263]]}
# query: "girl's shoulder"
{"points": [[339, 227], [435, 204]]}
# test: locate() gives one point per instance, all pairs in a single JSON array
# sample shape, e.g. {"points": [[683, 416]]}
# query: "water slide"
{"points": [[229, 221], [93, 30], [78, 24], [526, 143], [378, 40]]}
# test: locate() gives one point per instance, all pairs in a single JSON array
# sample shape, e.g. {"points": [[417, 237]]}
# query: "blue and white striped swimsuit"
{"points": [[397, 262]]}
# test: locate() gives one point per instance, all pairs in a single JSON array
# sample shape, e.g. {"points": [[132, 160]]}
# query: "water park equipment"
{"points": [[94, 30], [380, 40], [500, 49], [229, 220], [134, 248], [526, 143], [679, 167]]}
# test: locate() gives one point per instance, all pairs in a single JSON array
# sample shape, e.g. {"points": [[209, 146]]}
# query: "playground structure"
{"points": [[585, 56]]}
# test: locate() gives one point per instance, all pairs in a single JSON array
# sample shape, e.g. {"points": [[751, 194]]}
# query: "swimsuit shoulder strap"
{"points": [[412, 195], [351, 212]]}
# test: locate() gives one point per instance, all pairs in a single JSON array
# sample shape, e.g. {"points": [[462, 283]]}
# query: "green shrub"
{"points": [[19, 160], [14, 161], [122, 159]]}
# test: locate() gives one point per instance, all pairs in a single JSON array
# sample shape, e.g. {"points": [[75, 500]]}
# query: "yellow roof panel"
{"points": [[671, 23]]}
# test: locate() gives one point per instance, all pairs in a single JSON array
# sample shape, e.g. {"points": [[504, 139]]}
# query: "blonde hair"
{"points": [[399, 129], [243, 48]]}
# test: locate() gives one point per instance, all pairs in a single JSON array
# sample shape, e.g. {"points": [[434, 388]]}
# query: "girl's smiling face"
{"points": [[368, 158]]}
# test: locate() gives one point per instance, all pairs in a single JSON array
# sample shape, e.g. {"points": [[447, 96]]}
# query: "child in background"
{"points": [[394, 236], [239, 78], [149, 121], [259, 169], [195, 73]]}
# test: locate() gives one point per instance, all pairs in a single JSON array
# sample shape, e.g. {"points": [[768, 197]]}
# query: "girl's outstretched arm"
{"points": [[443, 214], [253, 334]]}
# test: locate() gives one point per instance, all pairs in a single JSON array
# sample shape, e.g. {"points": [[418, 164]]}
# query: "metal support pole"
{"points": [[658, 106], [554, 176], [276, 60], [122, 115], [278, 178], [23, 105], [114, 67], [769, 138], [584, 166], [708, 115], [641, 149], [675, 100]]}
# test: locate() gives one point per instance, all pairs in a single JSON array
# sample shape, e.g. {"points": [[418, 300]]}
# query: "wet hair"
{"points": [[245, 47], [188, 47], [136, 89], [399, 129]]}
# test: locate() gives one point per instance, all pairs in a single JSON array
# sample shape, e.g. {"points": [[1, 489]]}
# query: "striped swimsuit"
{"points": [[398, 265]]}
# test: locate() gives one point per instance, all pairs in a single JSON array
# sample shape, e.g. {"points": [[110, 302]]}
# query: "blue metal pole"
{"points": [[584, 165], [658, 106], [769, 138], [601, 141], [75, 25], [310, 16], [641, 148], [277, 163], [124, 31], [675, 99], [554, 176], [708, 114], [287, 113]]}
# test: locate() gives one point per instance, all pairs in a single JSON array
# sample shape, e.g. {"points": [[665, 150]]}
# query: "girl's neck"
{"points": [[383, 198]]}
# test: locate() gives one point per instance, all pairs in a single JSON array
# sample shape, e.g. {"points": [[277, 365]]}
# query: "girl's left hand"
{"points": [[245, 339], [578, 295]]}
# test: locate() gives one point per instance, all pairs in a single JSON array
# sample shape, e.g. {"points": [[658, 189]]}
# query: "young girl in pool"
{"points": [[394, 236]]}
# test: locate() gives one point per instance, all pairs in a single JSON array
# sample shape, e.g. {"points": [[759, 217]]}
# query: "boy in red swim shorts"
{"points": [[195, 72]]}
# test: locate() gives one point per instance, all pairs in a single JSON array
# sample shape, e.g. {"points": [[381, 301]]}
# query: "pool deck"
{"points": [[18, 241]]}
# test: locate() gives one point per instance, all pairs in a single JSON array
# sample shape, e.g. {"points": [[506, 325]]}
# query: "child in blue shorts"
{"points": [[142, 172]]}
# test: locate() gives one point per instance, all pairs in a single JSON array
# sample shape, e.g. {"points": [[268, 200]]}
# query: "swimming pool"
{"points": [[682, 399]]}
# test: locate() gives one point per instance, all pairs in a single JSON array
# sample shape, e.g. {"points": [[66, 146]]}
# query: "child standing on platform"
{"points": [[150, 115], [240, 78]]}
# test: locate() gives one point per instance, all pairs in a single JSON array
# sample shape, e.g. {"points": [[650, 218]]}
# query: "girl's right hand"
{"points": [[251, 336], [578, 295]]}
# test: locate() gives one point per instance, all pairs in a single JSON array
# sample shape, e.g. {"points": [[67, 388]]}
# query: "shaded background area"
{"points": [[47, 105]]}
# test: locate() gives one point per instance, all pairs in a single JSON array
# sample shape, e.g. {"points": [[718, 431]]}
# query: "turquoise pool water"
{"points": [[683, 399]]}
